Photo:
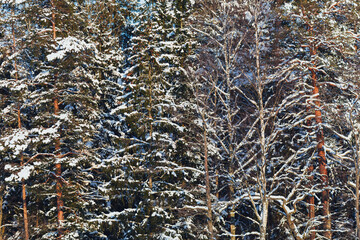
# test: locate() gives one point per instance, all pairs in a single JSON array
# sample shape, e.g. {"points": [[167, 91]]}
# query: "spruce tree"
{"points": [[153, 152]]}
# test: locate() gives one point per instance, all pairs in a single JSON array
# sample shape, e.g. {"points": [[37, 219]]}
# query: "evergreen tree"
{"points": [[154, 153], [63, 107], [179, 119], [14, 139]]}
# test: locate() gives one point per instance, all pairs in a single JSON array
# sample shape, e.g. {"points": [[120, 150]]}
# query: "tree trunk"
{"points": [[58, 172], [321, 153], [23, 185], [37, 214], [260, 87], [357, 202], [217, 183], [357, 192], [232, 211], [311, 199], [357, 170], [311, 202], [264, 219], [2, 228], [263, 183], [151, 118], [208, 196], [59, 201], [26, 222]]}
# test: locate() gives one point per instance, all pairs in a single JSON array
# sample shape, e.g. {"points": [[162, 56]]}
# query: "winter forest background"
{"points": [[179, 119]]}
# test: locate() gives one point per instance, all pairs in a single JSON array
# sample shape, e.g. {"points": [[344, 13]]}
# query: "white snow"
{"points": [[24, 173], [69, 45], [17, 141]]}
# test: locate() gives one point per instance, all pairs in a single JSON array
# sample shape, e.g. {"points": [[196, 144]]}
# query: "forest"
{"points": [[179, 119]]}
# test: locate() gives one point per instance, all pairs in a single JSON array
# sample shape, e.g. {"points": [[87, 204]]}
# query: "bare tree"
{"points": [[250, 112]]}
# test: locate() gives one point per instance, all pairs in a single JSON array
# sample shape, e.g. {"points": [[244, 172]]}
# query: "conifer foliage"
{"points": [[179, 119]]}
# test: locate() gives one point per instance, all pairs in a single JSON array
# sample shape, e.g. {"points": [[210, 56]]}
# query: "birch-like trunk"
{"points": [[264, 219], [260, 87], [207, 173], [207, 182], [357, 192], [232, 211]]}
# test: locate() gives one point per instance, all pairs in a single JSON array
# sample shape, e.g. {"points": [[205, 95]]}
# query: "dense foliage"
{"points": [[179, 119]]}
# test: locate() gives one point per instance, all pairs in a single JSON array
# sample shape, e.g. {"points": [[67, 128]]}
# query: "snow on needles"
{"points": [[24, 173], [17, 141], [69, 45], [12, 1]]}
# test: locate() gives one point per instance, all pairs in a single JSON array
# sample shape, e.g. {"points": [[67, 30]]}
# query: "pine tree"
{"points": [[63, 108], [324, 40], [14, 86]]}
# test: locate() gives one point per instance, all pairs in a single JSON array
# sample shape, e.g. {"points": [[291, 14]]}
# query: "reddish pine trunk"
{"points": [[59, 201], [321, 156], [311, 202], [311, 199], [26, 221], [23, 186]]}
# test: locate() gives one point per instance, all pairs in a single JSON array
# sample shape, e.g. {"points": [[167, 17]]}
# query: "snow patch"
{"points": [[17, 141], [24, 173], [69, 45]]}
